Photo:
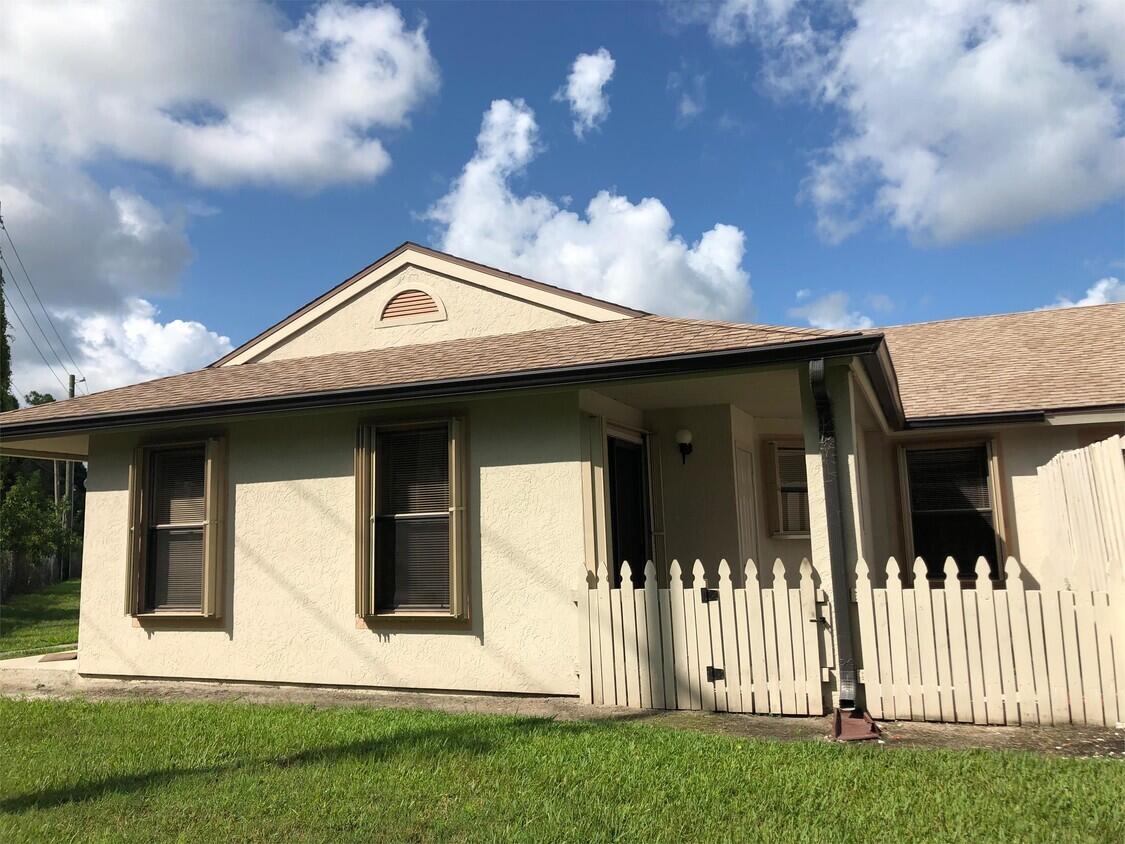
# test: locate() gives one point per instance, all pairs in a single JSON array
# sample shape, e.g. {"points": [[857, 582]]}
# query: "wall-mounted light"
{"points": [[683, 440]]}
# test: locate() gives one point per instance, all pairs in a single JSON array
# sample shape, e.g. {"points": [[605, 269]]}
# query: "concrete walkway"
{"points": [[29, 677]]}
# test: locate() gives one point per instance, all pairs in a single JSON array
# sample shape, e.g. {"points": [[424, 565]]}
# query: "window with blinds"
{"points": [[951, 507], [792, 490], [412, 503], [176, 504]]}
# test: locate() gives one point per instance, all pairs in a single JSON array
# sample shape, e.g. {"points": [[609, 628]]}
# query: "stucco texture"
{"points": [[470, 311], [289, 600]]}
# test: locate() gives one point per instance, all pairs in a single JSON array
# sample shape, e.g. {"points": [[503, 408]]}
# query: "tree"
{"points": [[32, 533]]}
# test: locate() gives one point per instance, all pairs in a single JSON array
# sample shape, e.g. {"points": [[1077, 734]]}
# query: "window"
{"points": [[176, 541], [792, 518], [951, 507], [410, 520]]}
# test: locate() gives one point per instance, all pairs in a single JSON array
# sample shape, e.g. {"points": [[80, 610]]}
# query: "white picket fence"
{"points": [[968, 652], [728, 649], [979, 654]]}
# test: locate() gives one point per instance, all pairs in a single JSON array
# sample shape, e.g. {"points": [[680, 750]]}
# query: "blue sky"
{"points": [[239, 249]]}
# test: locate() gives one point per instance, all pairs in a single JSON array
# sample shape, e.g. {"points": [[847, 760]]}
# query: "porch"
{"points": [[716, 485]]}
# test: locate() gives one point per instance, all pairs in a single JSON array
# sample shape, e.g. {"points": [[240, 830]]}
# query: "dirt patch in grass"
{"points": [[1083, 742]]}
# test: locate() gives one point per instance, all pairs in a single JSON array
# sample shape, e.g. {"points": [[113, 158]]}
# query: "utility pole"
{"points": [[69, 496]]}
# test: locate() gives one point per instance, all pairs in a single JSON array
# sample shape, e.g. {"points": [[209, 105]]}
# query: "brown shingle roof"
{"points": [[623, 340], [1039, 360]]}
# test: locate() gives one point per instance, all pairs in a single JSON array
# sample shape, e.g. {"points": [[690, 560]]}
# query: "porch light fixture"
{"points": [[683, 440]]}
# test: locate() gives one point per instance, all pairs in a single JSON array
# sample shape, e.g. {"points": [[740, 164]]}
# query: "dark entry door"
{"points": [[628, 507]]}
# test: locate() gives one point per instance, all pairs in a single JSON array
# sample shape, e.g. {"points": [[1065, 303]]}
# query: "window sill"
{"points": [[144, 616], [789, 536], [412, 617]]}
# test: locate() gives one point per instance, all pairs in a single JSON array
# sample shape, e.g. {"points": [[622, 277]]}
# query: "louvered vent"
{"points": [[410, 303]]}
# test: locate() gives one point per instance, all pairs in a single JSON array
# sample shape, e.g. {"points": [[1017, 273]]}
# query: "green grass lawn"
{"points": [[41, 621], [219, 772]]}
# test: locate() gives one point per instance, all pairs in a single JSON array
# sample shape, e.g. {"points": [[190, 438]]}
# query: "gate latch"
{"points": [[714, 674], [706, 596]]}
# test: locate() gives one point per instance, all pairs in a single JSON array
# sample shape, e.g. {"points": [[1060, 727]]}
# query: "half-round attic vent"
{"points": [[410, 303]]}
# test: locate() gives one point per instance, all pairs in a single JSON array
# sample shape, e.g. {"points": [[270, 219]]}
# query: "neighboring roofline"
{"points": [[962, 420], [1003, 417], [994, 316], [433, 253], [835, 346]]}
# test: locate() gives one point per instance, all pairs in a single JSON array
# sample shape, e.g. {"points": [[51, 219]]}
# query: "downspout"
{"points": [[826, 425]]}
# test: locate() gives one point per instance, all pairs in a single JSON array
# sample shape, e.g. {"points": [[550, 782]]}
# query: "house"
{"points": [[406, 482]]}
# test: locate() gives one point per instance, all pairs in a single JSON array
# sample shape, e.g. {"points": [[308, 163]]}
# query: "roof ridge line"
{"points": [[1027, 312]]}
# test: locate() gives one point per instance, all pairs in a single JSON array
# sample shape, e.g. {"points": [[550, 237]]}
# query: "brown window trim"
{"points": [[773, 489], [214, 528], [365, 479]]}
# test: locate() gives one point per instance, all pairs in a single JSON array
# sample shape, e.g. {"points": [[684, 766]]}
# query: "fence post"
{"points": [[728, 641], [685, 699], [755, 632], [702, 635], [810, 627], [585, 654], [941, 642], [927, 649], [897, 623], [868, 645], [629, 681], [655, 655], [606, 637]]}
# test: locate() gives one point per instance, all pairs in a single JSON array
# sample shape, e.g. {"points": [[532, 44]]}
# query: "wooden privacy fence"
{"points": [[972, 652], [727, 649], [1083, 494]]}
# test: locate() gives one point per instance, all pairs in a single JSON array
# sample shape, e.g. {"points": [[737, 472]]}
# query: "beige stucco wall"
{"points": [[471, 311], [700, 516], [290, 614]]}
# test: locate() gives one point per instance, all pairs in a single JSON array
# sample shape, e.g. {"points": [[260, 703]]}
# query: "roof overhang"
{"points": [[858, 345]]}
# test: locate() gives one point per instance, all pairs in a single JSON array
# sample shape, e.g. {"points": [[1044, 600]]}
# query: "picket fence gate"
{"points": [[953, 651], [729, 649], [971, 652]]}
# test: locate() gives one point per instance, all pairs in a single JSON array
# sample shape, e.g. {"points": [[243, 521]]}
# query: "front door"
{"points": [[628, 506]]}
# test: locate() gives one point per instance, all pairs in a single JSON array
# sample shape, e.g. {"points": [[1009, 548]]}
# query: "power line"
{"points": [[31, 313], [46, 313], [19, 319]]}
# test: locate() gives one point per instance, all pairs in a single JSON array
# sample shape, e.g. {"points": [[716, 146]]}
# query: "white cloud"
{"points": [[585, 89], [618, 250], [829, 311], [225, 93], [1103, 292], [690, 91], [117, 348], [960, 118], [881, 302], [222, 94]]}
